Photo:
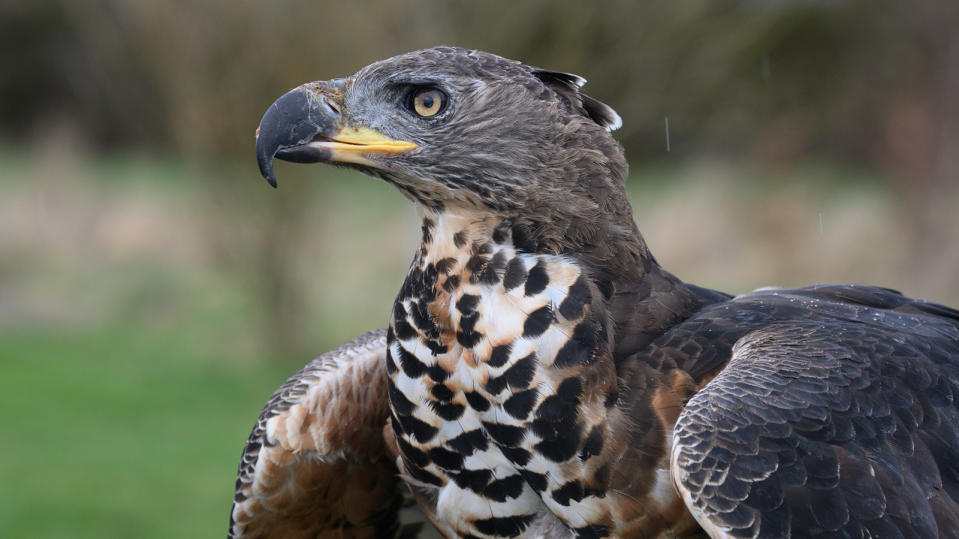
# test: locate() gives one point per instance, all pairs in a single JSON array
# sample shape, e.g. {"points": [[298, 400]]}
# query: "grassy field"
{"points": [[148, 308], [117, 432]]}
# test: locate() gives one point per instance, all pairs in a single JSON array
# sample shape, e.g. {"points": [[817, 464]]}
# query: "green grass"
{"points": [[118, 432]]}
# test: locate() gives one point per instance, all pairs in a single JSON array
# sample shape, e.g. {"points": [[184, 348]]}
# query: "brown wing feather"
{"points": [[843, 423], [315, 464]]}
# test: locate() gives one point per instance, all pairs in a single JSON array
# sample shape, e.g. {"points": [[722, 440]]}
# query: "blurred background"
{"points": [[154, 290]]}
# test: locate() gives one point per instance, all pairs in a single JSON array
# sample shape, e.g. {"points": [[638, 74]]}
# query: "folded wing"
{"points": [[315, 464], [828, 427]]}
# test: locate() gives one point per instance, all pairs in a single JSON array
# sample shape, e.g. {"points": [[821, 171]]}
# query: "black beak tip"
{"points": [[265, 161], [290, 122]]}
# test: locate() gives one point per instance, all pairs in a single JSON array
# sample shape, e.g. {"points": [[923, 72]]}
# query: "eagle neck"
{"points": [[643, 299]]}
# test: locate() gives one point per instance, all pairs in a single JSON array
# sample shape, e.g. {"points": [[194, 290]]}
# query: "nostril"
{"points": [[332, 106]]}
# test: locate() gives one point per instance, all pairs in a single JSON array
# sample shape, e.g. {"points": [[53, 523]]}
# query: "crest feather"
{"points": [[568, 85]]}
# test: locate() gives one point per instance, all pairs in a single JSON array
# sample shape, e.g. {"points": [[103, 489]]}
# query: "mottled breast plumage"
{"points": [[499, 377]]}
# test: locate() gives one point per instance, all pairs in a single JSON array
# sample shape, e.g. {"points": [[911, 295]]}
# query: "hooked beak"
{"points": [[305, 126]]}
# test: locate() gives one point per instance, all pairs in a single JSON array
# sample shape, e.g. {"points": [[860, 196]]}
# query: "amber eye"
{"points": [[428, 102]]}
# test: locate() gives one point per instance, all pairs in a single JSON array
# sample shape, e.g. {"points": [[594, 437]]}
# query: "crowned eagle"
{"points": [[542, 376]]}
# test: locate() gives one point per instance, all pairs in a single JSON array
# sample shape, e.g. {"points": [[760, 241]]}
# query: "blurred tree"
{"points": [[770, 80]]}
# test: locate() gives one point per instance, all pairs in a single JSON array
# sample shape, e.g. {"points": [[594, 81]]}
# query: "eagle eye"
{"points": [[427, 102]]}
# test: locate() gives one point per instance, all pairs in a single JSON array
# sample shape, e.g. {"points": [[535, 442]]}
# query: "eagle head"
{"points": [[455, 127]]}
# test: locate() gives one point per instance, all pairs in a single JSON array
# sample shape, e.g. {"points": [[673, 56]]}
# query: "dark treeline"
{"points": [[863, 82]]}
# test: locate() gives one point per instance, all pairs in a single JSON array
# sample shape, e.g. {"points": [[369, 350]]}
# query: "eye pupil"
{"points": [[428, 102]]}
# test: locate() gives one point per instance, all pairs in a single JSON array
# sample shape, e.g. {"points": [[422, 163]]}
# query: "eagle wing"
{"points": [[316, 464], [829, 426]]}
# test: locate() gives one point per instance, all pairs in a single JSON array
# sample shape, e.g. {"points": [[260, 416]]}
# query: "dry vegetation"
{"points": [[86, 242]]}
